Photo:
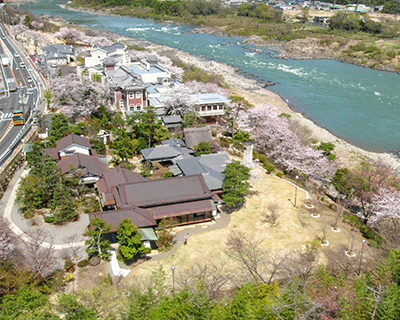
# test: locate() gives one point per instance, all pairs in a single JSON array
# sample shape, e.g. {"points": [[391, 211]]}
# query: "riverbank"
{"points": [[252, 91]]}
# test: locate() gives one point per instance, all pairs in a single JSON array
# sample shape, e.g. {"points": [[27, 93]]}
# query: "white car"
{"points": [[16, 54], [29, 79]]}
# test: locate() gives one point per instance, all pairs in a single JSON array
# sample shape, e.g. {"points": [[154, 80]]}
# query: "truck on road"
{"points": [[5, 61]]}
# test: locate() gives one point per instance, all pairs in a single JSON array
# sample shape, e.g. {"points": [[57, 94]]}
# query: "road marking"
{"points": [[5, 132], [26, 86]]}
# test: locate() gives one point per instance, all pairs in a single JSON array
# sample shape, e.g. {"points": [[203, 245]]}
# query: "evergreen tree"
{"points": [[202, 148], [97, 245], [130, 240], [235, 185], [59, 128]]}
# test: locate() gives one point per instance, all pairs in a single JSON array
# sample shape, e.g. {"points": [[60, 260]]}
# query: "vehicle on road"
{"points": [[18, 118], [22, 64], [4, 59], [16, 54], [30, 90], [29, 79], [11, 84]]}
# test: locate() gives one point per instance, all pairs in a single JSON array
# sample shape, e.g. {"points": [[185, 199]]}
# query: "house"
{"points": [[111, 178], [149, 70], [209, 105], [116, 52], [210, 166], [130, 90], [172, 121], [59, 54], [70, 145], [147, 202], [168, 152], [90, 168]]}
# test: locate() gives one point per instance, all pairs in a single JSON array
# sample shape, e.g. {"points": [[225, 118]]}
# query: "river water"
{"points": [[359, 105]]}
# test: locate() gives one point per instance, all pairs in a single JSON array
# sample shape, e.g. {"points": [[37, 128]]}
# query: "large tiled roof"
{"points": [[160, 192], [140, 217], [86, 164], [53, 153], [73, 139], [115, 176]]}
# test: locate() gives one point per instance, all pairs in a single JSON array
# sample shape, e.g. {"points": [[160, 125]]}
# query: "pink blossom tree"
{"points": [[7, 246], [385, 204], [273, 135], [78, 95]]}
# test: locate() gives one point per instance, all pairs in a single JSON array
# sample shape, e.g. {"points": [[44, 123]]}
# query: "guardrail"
{"points": [[25, 130]]}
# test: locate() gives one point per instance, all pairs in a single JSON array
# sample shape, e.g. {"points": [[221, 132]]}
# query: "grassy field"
{"points": [[295, 227]]}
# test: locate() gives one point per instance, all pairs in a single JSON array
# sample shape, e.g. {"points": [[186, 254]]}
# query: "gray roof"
{"points": [[172, 121], [211, 166], [193, 136], [126, 79], [174, 142], [113, 47], [58, 51], [148, 234]]}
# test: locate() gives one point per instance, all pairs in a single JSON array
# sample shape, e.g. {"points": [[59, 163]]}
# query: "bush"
{"points": [[83, 263], [94, 261], [352, 220], [168, 175], [279, 175], [69, 277], [370, 234], [69, 266]]}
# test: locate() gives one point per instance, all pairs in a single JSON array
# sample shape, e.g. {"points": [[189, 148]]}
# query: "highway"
{"points": [[23, 98]]}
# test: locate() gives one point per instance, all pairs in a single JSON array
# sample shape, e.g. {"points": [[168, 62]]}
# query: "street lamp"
{"points": [[295, 192], [362, 249], [173, 279]]}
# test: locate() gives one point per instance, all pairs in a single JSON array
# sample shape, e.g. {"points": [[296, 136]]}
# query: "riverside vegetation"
{"points": [[351, 37]]}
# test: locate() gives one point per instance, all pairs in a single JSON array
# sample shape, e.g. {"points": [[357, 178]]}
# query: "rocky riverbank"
{"points": [[253, 91]]}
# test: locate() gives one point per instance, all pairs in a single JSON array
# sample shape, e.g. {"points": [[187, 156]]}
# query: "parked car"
{"points": [[22, 65], [16, 54], [29, 79]]}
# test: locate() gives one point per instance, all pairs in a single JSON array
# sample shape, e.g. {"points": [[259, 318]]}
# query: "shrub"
{"points": [[83, 263], [279, 175], [69, 277], [94, 261], [370, 234], [168, 175], [69, 266]]}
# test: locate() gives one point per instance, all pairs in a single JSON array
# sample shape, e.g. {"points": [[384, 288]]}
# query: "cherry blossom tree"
{"points": [[69, 34], [7, 246], [273, 135], [79, 95], [385, 204], [37, 37], [37, 25]]}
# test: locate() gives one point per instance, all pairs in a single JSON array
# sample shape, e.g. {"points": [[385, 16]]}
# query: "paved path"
{"points": [[21, 226]]}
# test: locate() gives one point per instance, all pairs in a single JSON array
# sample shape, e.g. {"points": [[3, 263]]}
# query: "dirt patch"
{"points": [[85, 278]]}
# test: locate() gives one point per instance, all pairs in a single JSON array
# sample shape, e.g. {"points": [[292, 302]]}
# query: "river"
{"points": [[359, 105]]}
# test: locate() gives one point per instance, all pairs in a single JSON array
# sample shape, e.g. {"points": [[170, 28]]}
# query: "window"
{"points": [[221, 107], [203, 108], [138, 107], [121, 103], [209, 108], [131, 95], [132, 107], [137, 94], [215, 107]]}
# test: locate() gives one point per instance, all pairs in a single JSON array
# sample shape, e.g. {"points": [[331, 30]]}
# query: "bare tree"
{"points": [[322, 233], [39, 252], [378, 294], [212, 277], [273, 215], [339, 214], [246, 250], [73, 242]]}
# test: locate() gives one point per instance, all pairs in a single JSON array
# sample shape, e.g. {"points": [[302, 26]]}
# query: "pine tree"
{"points": [[97, 245], [130, 240], [235, 185]]}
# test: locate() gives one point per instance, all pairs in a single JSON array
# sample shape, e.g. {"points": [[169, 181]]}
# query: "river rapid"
{"points": [[357, 104]]}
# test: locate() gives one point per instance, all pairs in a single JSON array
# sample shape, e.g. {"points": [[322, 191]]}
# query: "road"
{"points": [[21, 91]]}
